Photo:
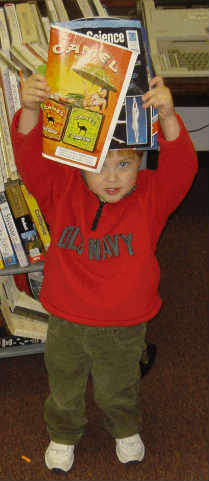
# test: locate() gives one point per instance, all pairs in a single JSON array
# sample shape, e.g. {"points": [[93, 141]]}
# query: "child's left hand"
{"points": [[159, 96]]}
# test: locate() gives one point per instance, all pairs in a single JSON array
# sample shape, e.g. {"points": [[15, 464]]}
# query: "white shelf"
{"points": [[11, 270], [26, 350]]}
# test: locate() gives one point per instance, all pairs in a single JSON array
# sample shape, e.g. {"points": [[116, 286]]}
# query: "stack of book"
{"points": [[25, 321], [24, 235]]}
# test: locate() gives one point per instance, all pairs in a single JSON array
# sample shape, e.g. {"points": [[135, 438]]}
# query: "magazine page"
{"points": [[88, 79], [136, 127]]}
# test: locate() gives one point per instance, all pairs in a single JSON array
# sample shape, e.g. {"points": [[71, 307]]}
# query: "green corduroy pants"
{"points": [[111, 355]]}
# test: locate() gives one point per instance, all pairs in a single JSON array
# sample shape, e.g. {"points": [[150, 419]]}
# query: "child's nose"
{"points": [[111, 175]]}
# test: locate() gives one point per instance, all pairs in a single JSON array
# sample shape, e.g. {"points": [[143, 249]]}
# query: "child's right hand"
{"points": [[34, 91]]}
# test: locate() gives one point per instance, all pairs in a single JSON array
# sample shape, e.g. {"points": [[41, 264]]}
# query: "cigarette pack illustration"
{"points": [[88, 79]]}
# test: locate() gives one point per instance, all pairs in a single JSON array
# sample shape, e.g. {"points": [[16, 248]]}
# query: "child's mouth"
{"points": [[112, 190]]}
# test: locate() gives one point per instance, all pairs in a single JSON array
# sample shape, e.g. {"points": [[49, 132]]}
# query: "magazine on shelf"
{"points": [[136, 128], [88, 79]]}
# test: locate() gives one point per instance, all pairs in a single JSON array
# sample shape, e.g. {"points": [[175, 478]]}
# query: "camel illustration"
{"points": [[82, 128], [50, 118]]}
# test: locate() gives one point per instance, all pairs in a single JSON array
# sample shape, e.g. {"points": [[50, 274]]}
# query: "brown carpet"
{"points": [[174, 394]]}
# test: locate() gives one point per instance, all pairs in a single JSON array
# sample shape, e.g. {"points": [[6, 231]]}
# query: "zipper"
{"points": [[98, 215]]}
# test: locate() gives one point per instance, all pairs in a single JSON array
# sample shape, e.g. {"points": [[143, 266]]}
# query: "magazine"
{"points": [[136, 128], [88, 79]]}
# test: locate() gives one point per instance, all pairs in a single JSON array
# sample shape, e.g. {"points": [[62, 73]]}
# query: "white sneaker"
{"points": [[59, 457], [130, 449]]}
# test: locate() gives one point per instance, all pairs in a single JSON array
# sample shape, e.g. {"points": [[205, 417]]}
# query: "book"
{"points": [[7, 251], [13, 24], [8, 340], [34, 281], [88, 79], [5, 56], [7, 89], [1, 261], [3, 161], [101, 11], [51, 11], [27, 56], [84, 7], [24, 223], [12, 231], [22, 303], [26, 23], [4, 35], [37, 216], [39, 51], [5, 131], [15, 87], [9, 81], [23, 326], [46, 26], [61, 10], [37, 19], [135, 125]]}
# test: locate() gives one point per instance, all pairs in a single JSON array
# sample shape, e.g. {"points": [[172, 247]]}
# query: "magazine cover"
{"points": [[88, 79], [136, 128]]}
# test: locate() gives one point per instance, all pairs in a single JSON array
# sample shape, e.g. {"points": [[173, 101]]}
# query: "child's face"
{"points": [[117, 177]]}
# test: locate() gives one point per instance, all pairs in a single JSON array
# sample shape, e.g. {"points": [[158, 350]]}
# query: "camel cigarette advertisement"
{"points": [[88, 79], [136, 128]]}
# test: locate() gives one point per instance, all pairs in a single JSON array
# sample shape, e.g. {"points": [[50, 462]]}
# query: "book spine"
{"points": [[13, 24], [7, 137], [46, 27], [25, 19], [38, 51], [7, 90], [38, 24], [14, 81], [37, 216], [12, 65], [2, 164], [12, 231], [3, 156], [4, 35], [1, 261], [24, 223], [11, 341], [17, 52], [7, 251], [28, 55], [86, 8], [61, 11], [101, 11], [51, 10]]}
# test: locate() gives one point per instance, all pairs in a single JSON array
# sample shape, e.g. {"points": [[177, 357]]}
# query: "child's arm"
{"points": [[159, 96], [34, 91]]}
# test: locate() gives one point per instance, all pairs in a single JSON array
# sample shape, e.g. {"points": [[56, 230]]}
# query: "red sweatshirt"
{"points": [[110, 276]]}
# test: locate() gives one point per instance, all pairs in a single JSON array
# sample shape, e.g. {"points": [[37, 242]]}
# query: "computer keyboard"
{"points": [[189, 60], [177, 58]]}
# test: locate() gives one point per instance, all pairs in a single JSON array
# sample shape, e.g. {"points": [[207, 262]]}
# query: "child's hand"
{"points": [[159, 97], [34, 91]]}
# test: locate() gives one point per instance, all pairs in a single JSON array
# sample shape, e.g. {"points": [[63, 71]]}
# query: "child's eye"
{"points": [[123, 163]]}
